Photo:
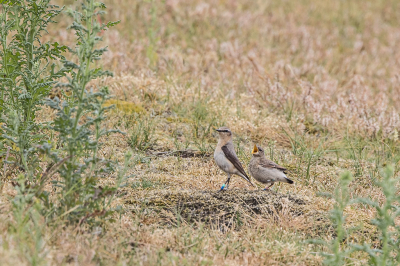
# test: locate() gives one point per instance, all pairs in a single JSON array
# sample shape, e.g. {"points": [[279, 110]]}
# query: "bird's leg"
{"points": [[226, 184], [227, 181], [269, 186]]}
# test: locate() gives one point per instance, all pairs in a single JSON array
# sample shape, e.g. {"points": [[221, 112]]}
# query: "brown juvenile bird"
{"points": [[266, 171], [226, 158]]}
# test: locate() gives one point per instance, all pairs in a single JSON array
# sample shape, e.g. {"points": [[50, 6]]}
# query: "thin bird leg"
{"points": [[226, 184], [227, 181], [269, 186]]}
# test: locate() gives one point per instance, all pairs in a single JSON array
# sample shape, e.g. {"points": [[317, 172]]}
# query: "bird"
{"points": [[266, 171], [226, 158]]}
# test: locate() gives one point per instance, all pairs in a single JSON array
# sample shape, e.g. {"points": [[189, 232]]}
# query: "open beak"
{"points": [[255, 150]]}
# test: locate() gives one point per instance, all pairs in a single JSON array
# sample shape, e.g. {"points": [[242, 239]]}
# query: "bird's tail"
{"points": [[289, 180], [246, 177]]}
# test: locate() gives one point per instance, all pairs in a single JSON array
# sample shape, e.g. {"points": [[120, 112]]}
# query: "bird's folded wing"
{"points": [[270, 164], [231, 156]]}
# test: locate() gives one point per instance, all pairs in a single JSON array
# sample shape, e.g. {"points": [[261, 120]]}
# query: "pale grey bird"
{"points": [[226, 158], [266, 171]]}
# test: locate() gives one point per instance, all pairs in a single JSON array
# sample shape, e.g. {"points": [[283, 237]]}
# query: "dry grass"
{"points": [[315, 82]]}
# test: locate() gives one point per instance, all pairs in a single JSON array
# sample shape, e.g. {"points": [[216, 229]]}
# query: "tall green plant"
{"points": [[386, 214], [79, 123], [27, 73], [337, 251]]}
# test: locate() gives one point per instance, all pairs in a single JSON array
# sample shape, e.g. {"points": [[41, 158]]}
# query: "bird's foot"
{"points": [[267, 188]]}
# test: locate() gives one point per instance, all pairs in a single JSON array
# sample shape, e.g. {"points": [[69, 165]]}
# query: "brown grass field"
{"points": [[316, 83]]}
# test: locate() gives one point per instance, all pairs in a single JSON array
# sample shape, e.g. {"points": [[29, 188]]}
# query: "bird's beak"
{"points": [[218, 130], [255, 150]]}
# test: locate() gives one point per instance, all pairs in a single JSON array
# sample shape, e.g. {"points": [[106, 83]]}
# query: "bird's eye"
{"points": [[260, 149]]}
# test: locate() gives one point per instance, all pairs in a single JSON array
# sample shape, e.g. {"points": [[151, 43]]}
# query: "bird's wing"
{"points": [[264, 162], [231, 156]]}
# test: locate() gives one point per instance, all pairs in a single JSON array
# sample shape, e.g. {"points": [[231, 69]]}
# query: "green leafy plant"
{"points": [[79, 125], [386, 214], [337, 251], [28, 72]]}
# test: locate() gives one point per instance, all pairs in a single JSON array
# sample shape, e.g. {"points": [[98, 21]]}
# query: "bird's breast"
{"points": [[222, 161]]}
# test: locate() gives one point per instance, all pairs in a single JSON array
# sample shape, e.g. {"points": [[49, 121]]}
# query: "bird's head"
{"points": [[257, 151], [224, 132]]}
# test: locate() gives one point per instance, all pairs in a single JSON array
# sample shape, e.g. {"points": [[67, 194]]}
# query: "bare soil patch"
{"points": [[230, 208]]}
